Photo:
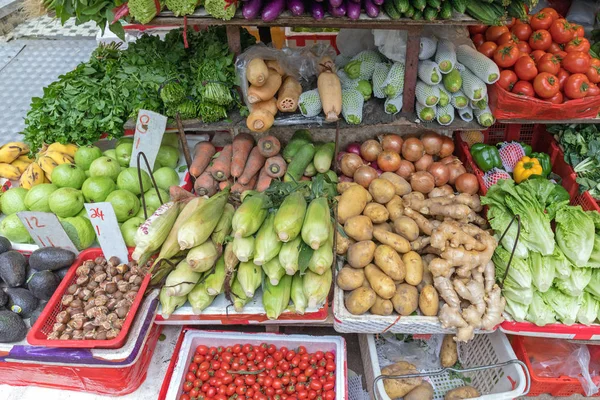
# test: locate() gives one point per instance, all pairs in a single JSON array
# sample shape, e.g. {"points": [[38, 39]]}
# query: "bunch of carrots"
{"points": [[241, 165]]}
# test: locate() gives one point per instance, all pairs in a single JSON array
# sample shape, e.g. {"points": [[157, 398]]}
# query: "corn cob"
{"points": [[250, 215], [201, 258], [202, 222], [276, 298], [267, 244]]}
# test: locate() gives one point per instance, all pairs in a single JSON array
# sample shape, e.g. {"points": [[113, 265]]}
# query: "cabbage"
{"points": [[542, 270], [517, 311], [575, 234], [589, 310], [539, 312], [565, 307], [593, 286], [577, 281]]}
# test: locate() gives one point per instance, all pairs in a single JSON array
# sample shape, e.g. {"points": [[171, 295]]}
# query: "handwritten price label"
{"points": [[45, 230], [149, 130], [107, 230]]}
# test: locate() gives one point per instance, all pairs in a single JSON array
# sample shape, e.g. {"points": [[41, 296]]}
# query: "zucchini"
{"points": [[488, 14], [324, 157], [419, 4], [446, 11], [430, 14], [410, 12], [391, 10], [401, 5], [418, 15], [298, 165], [299, 138], [459, 5], [437, 4]]}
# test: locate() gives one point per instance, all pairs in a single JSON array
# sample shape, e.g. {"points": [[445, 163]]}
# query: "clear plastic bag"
{"points": [[424, 354], [350, 42]]}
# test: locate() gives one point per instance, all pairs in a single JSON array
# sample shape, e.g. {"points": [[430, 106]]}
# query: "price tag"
{"points": [[45, 230], [149, 130], [107, 230]]}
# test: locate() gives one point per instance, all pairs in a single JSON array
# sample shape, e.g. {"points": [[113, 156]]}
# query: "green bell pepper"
{"points": [[544, 160], [527, 149], [485, 156]]}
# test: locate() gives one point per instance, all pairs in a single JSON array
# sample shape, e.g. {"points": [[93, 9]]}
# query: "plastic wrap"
{"points": [[579, 13], [424, 354], [350, 42]]}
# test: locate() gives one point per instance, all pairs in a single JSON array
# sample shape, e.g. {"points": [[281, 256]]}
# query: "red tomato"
{"points": [[552, 13], [494, 32], [290, 389], [521, 31], [561, 31], [560, 54], [194, 393], [184, 397], [329, 395], [558, 98], [507, 80], [578, 44], [193, 367], [562, 77], [523, 88], [546, 85], [537, 55], [478, 39], [577, 86], [593, 90], [488, 49], [593, 73], [187, 386], [203, 350], [577, 62], [302, 349], [507, 37], [578, 31], [524, 47], [271, 349], [549, 63], [474, 29], [541, 21], [247, 348], [506, 55], [554, 48], [540, 40]]}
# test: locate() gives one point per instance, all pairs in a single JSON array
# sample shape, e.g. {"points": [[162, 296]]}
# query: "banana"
{"points": [[32, 176], [9, 171], [21, 165], [11, 151], [58, 157], [48, 165], [26, 159], [68, 149], [24, 148]]}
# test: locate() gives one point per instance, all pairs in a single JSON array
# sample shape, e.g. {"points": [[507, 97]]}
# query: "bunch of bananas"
{"points": [[14, 160], [40, 170]]}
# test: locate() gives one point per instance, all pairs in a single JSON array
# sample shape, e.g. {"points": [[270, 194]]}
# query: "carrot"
{"points": [[266, 91], [274, 65], [205, 185], [330, 92], [221, 166], [253, 165], [269, 146], [275, 166], [238, 188], [242, 144], [223, 184], [288, 95], [257, 72], [264, 180], [267, 105], [177, 193], [260, 121], [202, 156]]}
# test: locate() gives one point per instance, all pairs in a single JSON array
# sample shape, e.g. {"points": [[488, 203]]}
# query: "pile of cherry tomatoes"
{"points": [[547, 58], [263, 372]]}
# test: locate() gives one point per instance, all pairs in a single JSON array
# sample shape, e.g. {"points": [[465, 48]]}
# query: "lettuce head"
{"points": [[575, 234], [539, 312], [588, 312], [565, 307], [542, 269], [576, 282]]}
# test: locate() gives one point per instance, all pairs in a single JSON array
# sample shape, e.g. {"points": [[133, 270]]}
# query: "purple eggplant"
{"points": [[371, 8], [251, 9], [317, 10], [272, 10], [296, 7], [335, 3], [338, 11], [356, 1], [378, 2], [352, 9]]}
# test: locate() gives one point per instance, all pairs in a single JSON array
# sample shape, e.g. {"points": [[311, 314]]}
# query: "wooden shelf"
{"points": [[549, 121]]}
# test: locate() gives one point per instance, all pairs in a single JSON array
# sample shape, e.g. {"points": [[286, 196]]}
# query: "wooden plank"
{"points": [[234, 39], [410, 67]]}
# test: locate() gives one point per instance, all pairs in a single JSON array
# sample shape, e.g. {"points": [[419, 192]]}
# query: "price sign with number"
{"points": [[45, 230], [149, 130], [107, 230]]}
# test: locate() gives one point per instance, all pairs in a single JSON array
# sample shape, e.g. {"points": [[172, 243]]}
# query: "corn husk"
{"points": [[238, 296], [273, 270], [322, 258], [214, 282], [170, 303], [250, 277], [290, 216], [317, 223], [231, 262], [154, 231], [243, 248], [288, 255], [276, 298], [316, 287], [297, 294], [181, 280], [223, 228], [267, 244], [202, 222], [199, 298], [250, 215], [201, 258]]}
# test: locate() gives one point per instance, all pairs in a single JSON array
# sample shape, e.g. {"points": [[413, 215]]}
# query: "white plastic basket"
{"points": [[506, 382], [192, 339]]}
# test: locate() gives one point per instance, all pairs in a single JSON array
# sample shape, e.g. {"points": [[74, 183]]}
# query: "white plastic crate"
{"points": [[507, 382], [192, 339]]}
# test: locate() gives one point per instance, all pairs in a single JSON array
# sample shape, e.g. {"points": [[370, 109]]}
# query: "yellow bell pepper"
{"points": [[526, 167]]}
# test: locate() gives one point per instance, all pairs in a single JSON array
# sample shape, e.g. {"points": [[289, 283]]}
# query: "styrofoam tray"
{"points": [[192, 339]]}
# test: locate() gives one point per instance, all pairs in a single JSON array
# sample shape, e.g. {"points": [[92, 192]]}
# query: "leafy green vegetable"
{"points": [[518, 283], [542, 271], [517, 310], [588, 312], [539, 312], [594, 261], [594, 286], [575, 234], [565, 307], [144, 11], [576, 282], [222, 9], [99, 11], [182, 7]]}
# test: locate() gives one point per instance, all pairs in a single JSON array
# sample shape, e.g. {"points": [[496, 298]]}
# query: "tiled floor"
{"points": [[47, 27]]}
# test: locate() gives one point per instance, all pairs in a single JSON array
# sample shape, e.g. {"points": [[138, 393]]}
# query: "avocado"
{"points": [[13, 268], [12, 327], [42, 284], [36, 313], [61, 273], [21, 301], [3, 298], [51, 258], [4, 245]]}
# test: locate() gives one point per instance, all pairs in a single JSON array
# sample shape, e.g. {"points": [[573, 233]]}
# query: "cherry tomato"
{"points": [[194, 393], [271, 349], [302, 394], [268, 382], [525, 68], [474, 29], [190, 376], [523, 88], [290, 389], [521, 31], [220, 397], [241, 390], [558, 98], [211, 392], [187, 386], [236, 348], [269, 363], [549, 63], [541, 20], [302, 378], [494, 32], [193, 367], [577, 62], [259, 357], [204, 366], [554, 48], [184, 397], [577, 86], [278, 356], [312, 394], [301, 350], [212, 351], [269, 391], [309, 371], [330, 366], [540, 40], [524, 47], [593, 73], [578, 44], [593, 90]]}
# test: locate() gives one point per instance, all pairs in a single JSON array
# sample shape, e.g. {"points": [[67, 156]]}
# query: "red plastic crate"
{"points": [[38, 335]]}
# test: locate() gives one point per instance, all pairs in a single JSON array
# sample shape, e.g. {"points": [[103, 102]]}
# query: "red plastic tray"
{"points": [[38, 335]]}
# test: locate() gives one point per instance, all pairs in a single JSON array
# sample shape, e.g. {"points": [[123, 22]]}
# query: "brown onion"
{"points": [[467, 183], [448, 160], [388, 161], [370, 149], [432, 142], [447, 147], [364, 175], [344, 178], [412, 149], [350, 163], [422, 181], [405, 169], [456, 169], [440, 173], [424, 162], [392, 142]]}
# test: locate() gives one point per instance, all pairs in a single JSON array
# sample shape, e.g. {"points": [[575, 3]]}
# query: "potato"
{"points": [[382, 307], [414, 268], [422, 392], [383, 226], [377, 213], [449, 352], [342, 243], [360, 254], [360, 300], [397, 242], [352, 202], [382, 284], [405, 300], [349, 278], [400, 387], [390, 262], [342, 186], [395, 207], [401, 186], [463, 392], [381, 190], [359, 227], [407, 228], [429, 301]]}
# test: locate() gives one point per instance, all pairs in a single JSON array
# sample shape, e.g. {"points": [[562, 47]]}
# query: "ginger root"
{"points": [[495, 306], [453, 232], [426, 226], [450, 317], [446, 291]]}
